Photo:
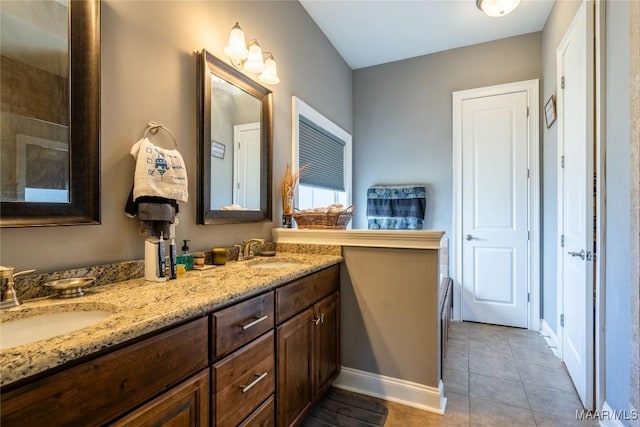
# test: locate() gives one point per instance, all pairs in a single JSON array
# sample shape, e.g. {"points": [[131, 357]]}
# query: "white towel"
{"points": [[159, 172], [233, 208]]}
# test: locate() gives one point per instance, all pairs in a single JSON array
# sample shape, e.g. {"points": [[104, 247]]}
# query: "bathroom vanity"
{"points": [[238, 345]]}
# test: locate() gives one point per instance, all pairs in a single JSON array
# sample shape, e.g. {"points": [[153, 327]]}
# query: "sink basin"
{"points": [[276, 264], [43, 326]]}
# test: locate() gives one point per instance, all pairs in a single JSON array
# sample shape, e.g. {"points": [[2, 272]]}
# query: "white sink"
{"points": [[276, 264], [43, 326]]}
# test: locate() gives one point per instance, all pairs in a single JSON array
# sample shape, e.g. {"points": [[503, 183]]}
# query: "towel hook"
{"points": [[155, 127]]}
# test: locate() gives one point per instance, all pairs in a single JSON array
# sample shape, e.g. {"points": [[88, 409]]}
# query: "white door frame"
{"points": [[600, 144], [237, 129], [455, 244]]}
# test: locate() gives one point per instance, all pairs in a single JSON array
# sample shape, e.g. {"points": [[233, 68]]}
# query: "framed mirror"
{"points": [[50, 112], [235, 132]]}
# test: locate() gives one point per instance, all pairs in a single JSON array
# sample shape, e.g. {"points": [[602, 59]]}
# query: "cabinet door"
{"points": [[185, 405], [108, 386], [294, 387], [326, 342]]}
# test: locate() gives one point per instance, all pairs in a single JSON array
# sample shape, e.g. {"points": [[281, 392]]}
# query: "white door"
{"points": [[247, 165], [495, 197], [576, 204]]}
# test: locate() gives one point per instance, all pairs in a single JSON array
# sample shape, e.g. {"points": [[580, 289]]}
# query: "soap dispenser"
{"points": [[187, 258]]}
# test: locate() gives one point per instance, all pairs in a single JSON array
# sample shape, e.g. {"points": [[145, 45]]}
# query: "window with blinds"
{"points": [[321, 156], [323, 151]]}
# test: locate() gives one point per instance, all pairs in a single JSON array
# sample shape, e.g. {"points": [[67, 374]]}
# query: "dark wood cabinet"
{"points": [[327, 343], [237, 325], [186, 405], [225, 370], [308, 344], [264, 416], [243, 381], [295, 362], [104, 388]]}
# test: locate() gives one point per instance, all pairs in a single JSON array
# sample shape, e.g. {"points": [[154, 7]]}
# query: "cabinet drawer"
{"points": [[184, 405], [99, 390], [300, 294], [264, 416], [243, 380], [235, 326]]}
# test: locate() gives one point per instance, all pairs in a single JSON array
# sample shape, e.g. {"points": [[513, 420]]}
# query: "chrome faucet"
{"points": [[10, 297], [247, 247]]}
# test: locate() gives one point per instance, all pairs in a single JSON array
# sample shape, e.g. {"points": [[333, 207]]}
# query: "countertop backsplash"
{"points": [[31, 286]]}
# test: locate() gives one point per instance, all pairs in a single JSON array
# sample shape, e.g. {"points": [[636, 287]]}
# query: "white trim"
{"points": [[407, 393], [406, 239], [609, 422], [531, 87], [600, 260], [549, 336], [299, 107]]}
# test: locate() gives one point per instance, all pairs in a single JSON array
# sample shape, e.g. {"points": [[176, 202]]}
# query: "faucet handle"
{"points": [[22, 273], [240, 257], [6, 272]]}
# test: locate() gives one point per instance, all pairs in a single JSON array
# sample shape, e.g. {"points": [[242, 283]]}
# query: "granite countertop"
{"points": [[140, 307]]}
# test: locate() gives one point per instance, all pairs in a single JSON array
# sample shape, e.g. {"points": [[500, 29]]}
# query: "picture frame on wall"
{"points": [[550, 111], [217, 149]]}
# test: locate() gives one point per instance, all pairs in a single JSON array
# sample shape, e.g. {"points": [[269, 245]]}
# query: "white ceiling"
{"points": [[372, 32]]}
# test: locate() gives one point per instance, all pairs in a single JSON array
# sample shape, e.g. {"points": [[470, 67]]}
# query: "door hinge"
{"points": [[527, 111], [562, 240], [562, 82], [528, 173], [562, 162], [528, 235], [528, 297], [562, 320]]}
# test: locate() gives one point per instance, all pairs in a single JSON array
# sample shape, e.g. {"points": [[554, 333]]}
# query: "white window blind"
{"points": [[321, 154]]}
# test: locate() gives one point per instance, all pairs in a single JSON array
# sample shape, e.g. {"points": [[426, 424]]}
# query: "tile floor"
{"points": [[498, 376]]}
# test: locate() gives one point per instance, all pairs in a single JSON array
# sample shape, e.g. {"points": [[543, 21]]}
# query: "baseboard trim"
{"points": [[549, 336], [608, 418], [404, 392]]}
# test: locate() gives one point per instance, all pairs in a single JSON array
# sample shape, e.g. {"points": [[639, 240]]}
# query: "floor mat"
{"points": [[342, 408]]}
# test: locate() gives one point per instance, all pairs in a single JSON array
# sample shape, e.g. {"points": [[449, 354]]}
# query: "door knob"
{"points": [[468, 237], [580, 254]]}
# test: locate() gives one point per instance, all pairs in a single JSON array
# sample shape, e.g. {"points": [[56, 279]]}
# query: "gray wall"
{"points": [[557, 24], [618, 220], [148, 73], [402, 115], [379, 307]]}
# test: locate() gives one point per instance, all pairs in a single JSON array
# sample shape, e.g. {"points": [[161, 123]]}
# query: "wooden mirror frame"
{"points": [[207, 65], [84, 131]]}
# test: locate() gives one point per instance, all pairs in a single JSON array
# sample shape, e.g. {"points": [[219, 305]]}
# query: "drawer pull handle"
{"points": [[254, 322], [246, 388]]}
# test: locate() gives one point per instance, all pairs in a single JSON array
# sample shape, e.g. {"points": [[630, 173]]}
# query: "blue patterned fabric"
{"points": [[396, 207]]}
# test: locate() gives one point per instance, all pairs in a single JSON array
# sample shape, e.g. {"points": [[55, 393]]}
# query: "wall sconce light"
{"points": [[251, 59], [497, 8]]}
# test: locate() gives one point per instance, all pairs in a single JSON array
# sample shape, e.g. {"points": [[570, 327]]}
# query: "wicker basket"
{"points": [[324, 221]]}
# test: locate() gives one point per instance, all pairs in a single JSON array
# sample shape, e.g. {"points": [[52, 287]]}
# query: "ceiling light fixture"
{"points": [[497, 8], [251, 59]]}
